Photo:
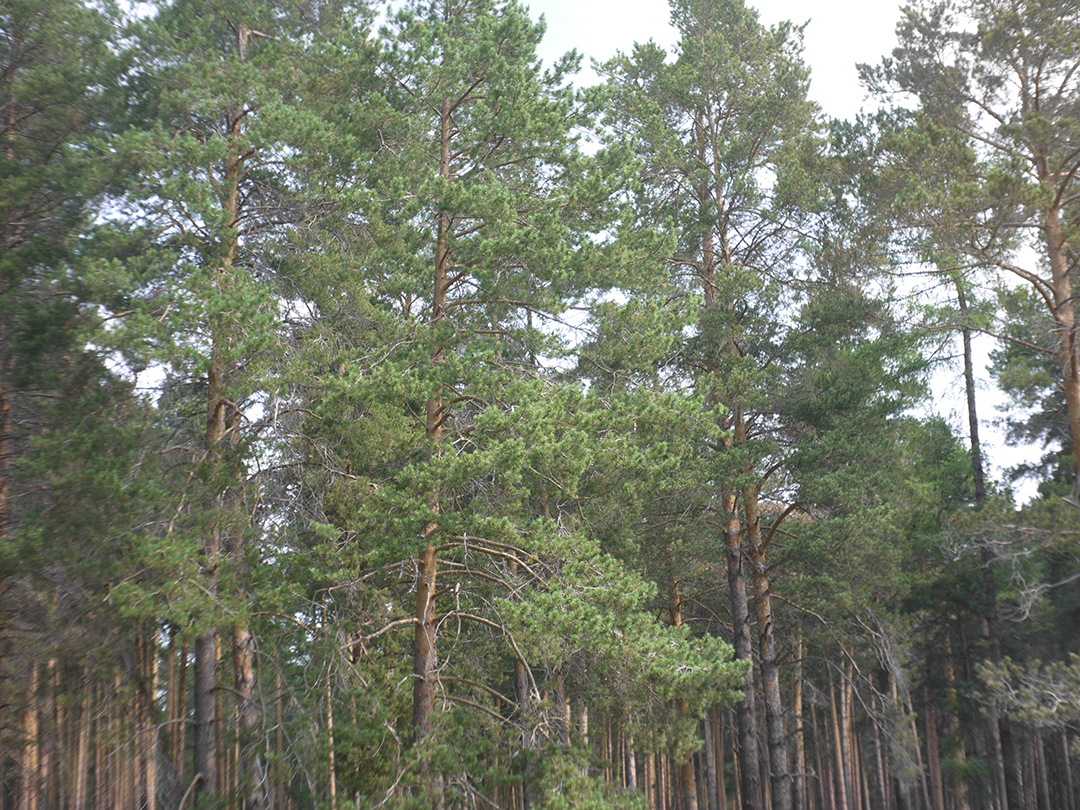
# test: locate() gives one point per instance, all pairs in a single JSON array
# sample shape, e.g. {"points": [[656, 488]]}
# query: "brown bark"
{"points": [[800, 801], [650, 781], [718, 724], [1066, 776], [687, 778], [779, 777], [7, 368], [752, 794], [923, 784], [709, 760], [204, 760], [426, 563], [969, 390], [882, 776], [80, 792], [30, 761], [251, 769], [838, 747], [851, 768], [937, 794], [331, 768], [146, 728], [1064, 314]]}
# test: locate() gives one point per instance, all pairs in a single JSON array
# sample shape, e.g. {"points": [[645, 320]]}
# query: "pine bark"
{"points": [[710, 761], [779, 777], [687, 778], [800, 798], [937, 794], [838, 748], [204, 760]]}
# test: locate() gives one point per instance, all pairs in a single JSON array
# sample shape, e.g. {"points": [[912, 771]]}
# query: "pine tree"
{"points": [[726, 136], [989, 159]]}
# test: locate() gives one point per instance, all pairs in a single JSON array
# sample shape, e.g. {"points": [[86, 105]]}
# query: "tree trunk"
{"points": [[800, 737], [687, 778], [851, 770], [1066, 776], [709, 758], [331, 769], [969, 388], [1042, 772], [424, 662], [779, 778], [839, 746], [204, 759], [749, 756], [937, 795], [252, 770], [81, 793], [30, 761], [1064, 315]]}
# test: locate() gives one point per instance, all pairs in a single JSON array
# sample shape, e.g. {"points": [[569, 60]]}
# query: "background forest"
{"points": [[387, 421]]}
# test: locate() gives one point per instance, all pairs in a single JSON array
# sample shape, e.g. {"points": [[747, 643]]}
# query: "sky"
{"points": [[840, 34]]}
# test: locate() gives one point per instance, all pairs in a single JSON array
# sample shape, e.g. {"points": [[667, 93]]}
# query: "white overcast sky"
{"points": [[840, 34]]}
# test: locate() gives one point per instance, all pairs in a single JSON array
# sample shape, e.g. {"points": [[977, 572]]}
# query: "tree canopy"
{"points": [[388, 421]]}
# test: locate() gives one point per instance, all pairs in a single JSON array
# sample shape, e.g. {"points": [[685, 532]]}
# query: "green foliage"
{"points": [[1043, 695], [371, 250]]}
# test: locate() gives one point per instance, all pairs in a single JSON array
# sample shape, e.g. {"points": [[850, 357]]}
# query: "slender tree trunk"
{"points": [[824, 778], [205, 714], [173, 721], [937, 794], [1064, 314], [800, 735], [147, 730], [969, 388], [424, 644], [7, 450], [49, 741], [779, 778], [279, 718], [687, 778], [851, 770], [839, 746], [736, 761], [709, 759], [30, 761], [82, 753], [424, 660], [1066, 776], [752, 794], [879, 762], [252, 770], [331, 769], [989, 587], [1042, 771], [650, 781]]}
